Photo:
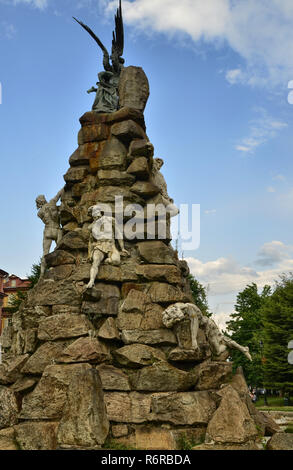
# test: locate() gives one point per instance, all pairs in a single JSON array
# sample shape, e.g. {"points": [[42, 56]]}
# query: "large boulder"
{"points": [[58, 257], [163, 293], [85, 350], [36, 436], [162, 377], [7, 439], [8, 408], [164, 273], [49, 292], [139, 168], [108, 303], [231, 423], [138, 355], [64, 326], [113, 378], [10, 369], [133, 88], [93, 133], [185, 408], [84, 422], [211, 375], [281, 441], [151, 337], [156, 252], [47, 400], [130, 407], [264, 422], [126, 131], [109, 330], [113, 155], [44, 356]]}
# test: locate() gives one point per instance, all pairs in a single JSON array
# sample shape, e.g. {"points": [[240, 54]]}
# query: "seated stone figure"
{"points": [[107, 99], [218, 342], [159, 181], [102, 243]]}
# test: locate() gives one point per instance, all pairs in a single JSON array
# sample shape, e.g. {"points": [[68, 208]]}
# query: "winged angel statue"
{"points": [[107, 99]]}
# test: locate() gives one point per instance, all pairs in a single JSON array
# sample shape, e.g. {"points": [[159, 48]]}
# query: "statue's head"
{"points": [[94, 212], [99, 210], [159, 162], [41, 201]]}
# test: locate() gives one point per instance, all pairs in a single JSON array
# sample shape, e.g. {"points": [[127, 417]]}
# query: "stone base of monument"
{"points": [[84, 368]]}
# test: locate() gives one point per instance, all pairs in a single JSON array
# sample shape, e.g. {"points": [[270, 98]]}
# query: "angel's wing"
{"points": [[92, 34], [118, 35]]}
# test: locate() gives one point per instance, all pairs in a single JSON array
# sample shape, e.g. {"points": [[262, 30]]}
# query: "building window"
{"points": [[13, 283]]}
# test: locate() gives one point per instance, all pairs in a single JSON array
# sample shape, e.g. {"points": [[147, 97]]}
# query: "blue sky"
{"points": [[218, 115]]}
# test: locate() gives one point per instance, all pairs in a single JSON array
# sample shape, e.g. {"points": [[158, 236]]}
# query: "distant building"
{"points": [[11, 285], [3, 275]]}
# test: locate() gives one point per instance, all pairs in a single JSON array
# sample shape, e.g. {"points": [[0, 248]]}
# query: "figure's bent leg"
{"points": [[59, 236], [114, 257], [47, 242], [98, 257]]}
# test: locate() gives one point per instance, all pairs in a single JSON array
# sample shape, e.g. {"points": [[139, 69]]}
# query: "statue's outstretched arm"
{"points": [[57, 197], [92, 90]]}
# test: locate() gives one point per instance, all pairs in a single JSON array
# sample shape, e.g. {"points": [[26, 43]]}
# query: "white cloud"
{"points": [[8, 30], [274, 252], [235, 76], [279, 178], [221, 319], [226, 277], [41, 4], [262, 129], [259, 31], [270, 189], [223, 276]]}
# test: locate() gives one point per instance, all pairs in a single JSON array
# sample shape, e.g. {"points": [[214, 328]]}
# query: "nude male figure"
{"points": [[48, 212]]}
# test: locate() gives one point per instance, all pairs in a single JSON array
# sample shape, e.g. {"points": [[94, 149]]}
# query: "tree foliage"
{"points": [[199, 294], [246, 328], [277, 313]]}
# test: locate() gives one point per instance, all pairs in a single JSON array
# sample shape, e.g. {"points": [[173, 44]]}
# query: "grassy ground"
{"points": [[275, 404]]}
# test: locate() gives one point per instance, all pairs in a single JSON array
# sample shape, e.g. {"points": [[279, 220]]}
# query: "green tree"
{"points": [[277, 314], [35, 274], [246, 328], [199, 294]]}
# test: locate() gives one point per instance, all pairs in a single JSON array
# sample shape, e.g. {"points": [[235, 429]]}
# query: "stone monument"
{"points": [[89, 358]]}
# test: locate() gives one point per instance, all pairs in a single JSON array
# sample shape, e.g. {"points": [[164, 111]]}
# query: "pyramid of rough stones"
{"points": [[87, 366]]}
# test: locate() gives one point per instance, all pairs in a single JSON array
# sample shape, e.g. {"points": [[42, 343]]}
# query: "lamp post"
{"points": [[263, 361]]}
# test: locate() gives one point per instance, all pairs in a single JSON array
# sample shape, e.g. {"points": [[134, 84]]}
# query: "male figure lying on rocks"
{"points": [[102, 243], [218, 342]]}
